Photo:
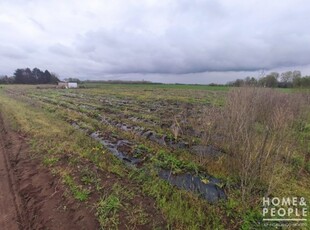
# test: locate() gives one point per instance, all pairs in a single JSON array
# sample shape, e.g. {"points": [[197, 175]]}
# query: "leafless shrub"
{"points": [[254, 129]]}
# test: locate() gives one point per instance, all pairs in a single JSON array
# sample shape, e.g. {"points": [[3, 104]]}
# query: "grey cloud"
{"points": [[61, 50], [199, 45], [12, 52], [178, 39], [37, 24]]}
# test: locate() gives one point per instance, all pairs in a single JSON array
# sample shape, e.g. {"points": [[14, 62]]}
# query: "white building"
{"points": [[72, 85], [67, 85]]}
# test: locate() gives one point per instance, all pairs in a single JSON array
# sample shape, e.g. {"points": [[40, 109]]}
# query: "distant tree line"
{"points": [[289, 79], [27, 76], [119, 82]]}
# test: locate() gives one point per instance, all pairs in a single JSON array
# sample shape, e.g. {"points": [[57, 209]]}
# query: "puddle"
{"points": [[207, 188]]}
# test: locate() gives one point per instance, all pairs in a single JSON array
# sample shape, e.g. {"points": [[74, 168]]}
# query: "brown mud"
{"points": [[30, 196]]}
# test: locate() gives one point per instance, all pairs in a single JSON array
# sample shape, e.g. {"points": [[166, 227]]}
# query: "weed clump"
{"points": [[170, 162], [107, 211]]}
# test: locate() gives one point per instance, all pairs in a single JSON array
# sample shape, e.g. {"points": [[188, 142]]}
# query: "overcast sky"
{"points": [[186, 41]]}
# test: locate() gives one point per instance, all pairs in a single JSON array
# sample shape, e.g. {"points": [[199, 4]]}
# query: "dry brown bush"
{"points": [[254, 128]]}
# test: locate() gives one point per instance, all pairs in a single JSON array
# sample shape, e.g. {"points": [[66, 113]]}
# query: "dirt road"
{"points": [[30, 197], [9, 213]]}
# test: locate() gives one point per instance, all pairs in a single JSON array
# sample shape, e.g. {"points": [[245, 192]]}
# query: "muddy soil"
{"points": [[30, 196]]}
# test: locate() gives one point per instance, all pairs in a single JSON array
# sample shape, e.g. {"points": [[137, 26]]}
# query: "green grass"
{"points": [[78, 192], [182, 210], [156, 86], [49, 161], [59, 139], [167, 161], [107, 211], [61, 146]]}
